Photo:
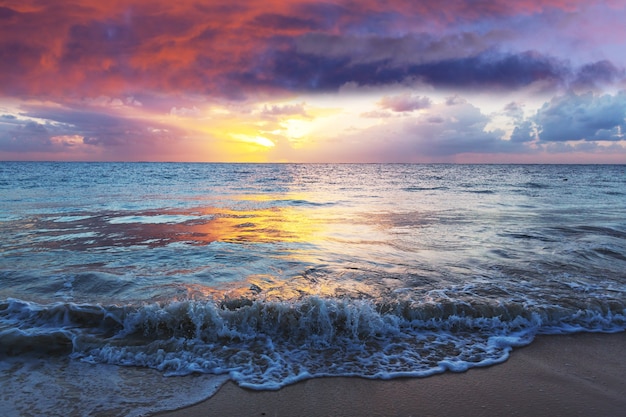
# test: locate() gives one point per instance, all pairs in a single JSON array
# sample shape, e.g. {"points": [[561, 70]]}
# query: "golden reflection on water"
{"points": [[277, 224], [266, 287], [196, 226], [308, 240]]}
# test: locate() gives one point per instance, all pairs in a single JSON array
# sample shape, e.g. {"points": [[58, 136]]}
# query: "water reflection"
{"points": [[151, 228]]}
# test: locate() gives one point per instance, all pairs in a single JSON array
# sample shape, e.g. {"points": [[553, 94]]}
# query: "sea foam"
{"points": [[268, 344]]}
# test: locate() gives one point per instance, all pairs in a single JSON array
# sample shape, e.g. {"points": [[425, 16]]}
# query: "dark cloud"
{"points": [[17, 58], [7, 13], [597, 74], [489, 70], [327, 15], [279, 22], [587, 117], [321, 61], [293, 70], [208, 34], [409, 49], [105, 44]]}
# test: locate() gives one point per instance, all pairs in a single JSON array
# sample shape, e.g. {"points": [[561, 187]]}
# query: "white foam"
{"points": [[9, 217], [266, 345], [66, 236], [67, 219]]}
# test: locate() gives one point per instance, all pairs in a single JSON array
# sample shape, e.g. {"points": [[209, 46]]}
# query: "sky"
{"points": [[460, 81]]}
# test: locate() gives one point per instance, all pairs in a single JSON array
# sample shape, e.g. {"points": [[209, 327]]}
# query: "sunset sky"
{"points": [[313, 81]]}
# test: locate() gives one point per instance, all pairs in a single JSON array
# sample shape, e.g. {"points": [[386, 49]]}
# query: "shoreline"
{"points": [[580, 374]]}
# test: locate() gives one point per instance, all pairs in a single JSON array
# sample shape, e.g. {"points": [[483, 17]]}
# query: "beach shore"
{"points": [[566, 375]]}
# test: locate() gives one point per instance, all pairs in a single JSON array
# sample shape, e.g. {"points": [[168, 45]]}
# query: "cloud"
{"points": [[7, 13], [237, 51], [510, 71], [290, 69], [412, 48], [376, 114], [25, 135], [17, 59], [406, 102], [285, 110], [114, 75], [588, 117], [185, 111], [514, 110], [524, 131], [284, 23], [596, 75], [105, 101], [41, 128], [438, 134], [455, 100], [454, 129]]}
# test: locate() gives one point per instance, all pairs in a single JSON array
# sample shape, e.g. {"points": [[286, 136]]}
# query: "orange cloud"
{"points": [[93, 47]]}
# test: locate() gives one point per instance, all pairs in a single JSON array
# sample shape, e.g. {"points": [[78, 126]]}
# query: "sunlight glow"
{"points": [[297, 129], [257, 140]]}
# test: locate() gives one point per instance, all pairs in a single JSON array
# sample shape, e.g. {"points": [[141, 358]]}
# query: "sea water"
{"points": [[129, 288]]}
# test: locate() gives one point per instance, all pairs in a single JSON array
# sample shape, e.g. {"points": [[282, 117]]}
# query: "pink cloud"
{"points": [[406, 102]]}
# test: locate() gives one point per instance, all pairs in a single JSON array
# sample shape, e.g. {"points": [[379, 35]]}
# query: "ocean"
{"points": [[132, 288]]}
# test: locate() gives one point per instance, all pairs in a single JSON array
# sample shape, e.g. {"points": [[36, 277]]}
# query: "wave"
{"points": [[481, 191], [266, 345], [416, 188], [535, 185], [300, 202]]}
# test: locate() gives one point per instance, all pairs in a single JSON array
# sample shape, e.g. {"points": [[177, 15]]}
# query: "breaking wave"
{"points": [[269, 344]]}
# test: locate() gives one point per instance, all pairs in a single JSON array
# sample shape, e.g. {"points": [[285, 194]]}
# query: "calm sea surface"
{"points": [[129, 288]]}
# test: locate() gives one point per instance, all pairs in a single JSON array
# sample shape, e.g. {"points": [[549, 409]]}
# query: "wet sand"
{"points": [[569, 375]]}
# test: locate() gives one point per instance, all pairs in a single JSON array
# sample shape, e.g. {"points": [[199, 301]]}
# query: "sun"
{"points": [[297, 129]]}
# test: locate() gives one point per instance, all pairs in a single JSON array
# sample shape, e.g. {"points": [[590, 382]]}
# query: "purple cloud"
{"points": [[296, 71], [597, 74], [18, 135], [280, 22], [101, 129]]}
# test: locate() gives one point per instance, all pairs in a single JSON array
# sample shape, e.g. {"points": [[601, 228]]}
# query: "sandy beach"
{"points": [[568, 375]]}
